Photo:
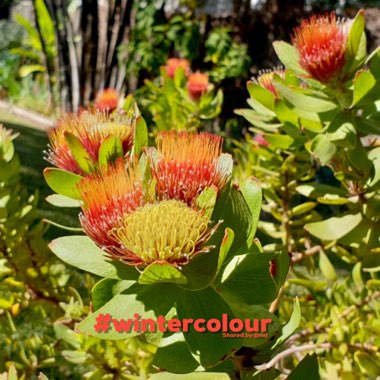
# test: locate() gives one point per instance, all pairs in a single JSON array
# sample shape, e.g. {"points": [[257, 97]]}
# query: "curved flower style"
{"points": [[197, 84], [265, 80], [187, 164], [107, 100], [168, 231], [174, 63], [91, 127], [321, 42], [108, 195]]}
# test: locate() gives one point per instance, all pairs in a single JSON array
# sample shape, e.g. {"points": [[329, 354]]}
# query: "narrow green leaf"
{"points": [[261, 94], [190, 376], [63, 182], [288, 55], [304, 102], [334, 228], [110, 150], [79, 152], [363, 83], [62, 201], [141, 136], [326, 267], [292, 325]]}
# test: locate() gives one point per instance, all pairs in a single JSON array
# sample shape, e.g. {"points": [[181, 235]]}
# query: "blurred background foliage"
{"points": [[57, 55]]}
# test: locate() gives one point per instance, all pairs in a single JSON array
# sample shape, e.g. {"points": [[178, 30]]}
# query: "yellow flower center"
{"points": [[167, 231]]}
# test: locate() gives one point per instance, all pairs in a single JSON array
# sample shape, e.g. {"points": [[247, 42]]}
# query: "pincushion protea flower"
{"points": [[174, 63], [321, 42], [197, 84], [187, 164], [91, 127], [107, 100], [168, 231], [108, 195], [265, 80]]}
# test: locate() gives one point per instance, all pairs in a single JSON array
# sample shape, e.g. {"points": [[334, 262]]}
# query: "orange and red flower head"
{"points": [[175, 63], [120, 220], [108, 196], [265, 80], [91, 128], [107, 100], [187, 163], [321, 42], [197, 84]]}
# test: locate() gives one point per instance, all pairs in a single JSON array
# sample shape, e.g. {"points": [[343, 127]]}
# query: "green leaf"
{"points": [[334, 228], [149, 302], [307, 369], [302, 101], [303, 208], [225, 247], [342, 129], [261, 94], [326, 267], [292, 325], [105, 289], [161, 273], [315, 190], [206, 200], [260, 121], [288, 55], [367, 364], [252, 194], [79, 152], [82, 253], [355, 34], [281, 262], [374, 156], [323, 149], [246, 279], [63, 182], [206, 304], [252, 312], [26, 70], [141, 136], [279, 141], [363, 83], [190, 376], [173, 355], [62, 201], [110, 150], [357, 276]]}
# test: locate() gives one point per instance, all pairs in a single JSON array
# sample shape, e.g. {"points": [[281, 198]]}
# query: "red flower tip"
{"points": [[321, 42], [91, 127], [108, 195], [197, 84], [107, 100], [174, 63], [261, 140], [187, 164], [265, 80]]}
